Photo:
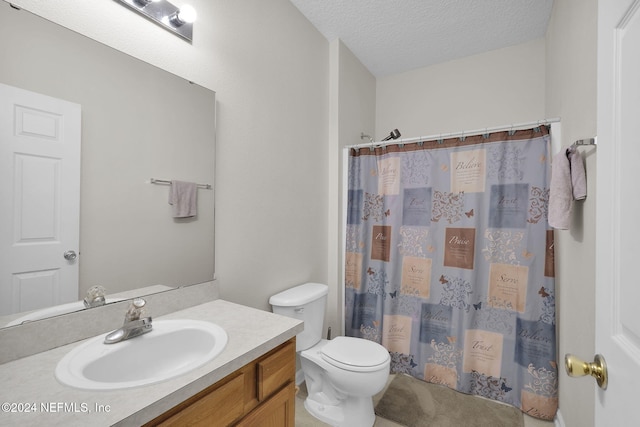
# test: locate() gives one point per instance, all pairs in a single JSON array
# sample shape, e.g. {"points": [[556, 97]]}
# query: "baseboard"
{"points": [[558, 420]]}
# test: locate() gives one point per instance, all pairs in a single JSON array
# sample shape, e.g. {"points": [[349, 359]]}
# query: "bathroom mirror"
{"points": [[138, 123]]}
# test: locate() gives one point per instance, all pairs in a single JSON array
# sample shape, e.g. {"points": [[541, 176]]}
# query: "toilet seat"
{"points": [[355, 354]]}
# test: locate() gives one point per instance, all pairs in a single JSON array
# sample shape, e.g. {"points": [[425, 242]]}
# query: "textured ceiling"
{"points": [[393, 36]]}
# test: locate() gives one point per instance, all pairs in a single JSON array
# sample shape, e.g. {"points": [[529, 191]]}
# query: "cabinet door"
{"points": [[276, 370], [220, 407], [278, 411]]}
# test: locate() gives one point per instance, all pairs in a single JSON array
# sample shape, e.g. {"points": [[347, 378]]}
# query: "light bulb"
{"points": [[187, 14]]}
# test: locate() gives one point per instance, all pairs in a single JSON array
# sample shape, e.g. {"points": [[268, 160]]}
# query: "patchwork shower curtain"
{"points": [[449, 263]]}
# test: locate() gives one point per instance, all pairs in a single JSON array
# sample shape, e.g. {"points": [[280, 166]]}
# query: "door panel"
{"points": [[40, 183], [37, 207], [30, 289], [617, 235]]}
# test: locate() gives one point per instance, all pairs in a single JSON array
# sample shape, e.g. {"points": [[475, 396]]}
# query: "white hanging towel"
{"points": [[568, 183], [182, 196], [578, 175]]}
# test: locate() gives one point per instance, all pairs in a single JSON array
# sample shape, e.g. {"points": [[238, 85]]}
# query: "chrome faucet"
{"points": [[134, 324]]}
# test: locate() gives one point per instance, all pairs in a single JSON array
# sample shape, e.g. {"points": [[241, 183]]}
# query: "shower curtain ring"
{"points": [[537, 128]]}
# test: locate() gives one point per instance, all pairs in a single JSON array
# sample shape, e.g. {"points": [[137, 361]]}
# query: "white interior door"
{"points": [[40, 209], [617, 227]]}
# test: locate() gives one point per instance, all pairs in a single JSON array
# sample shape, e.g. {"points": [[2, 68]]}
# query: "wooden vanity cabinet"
{"points": [[261, 393]]}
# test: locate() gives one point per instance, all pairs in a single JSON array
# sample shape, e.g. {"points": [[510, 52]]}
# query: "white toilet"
{"points": [[342, 374]]}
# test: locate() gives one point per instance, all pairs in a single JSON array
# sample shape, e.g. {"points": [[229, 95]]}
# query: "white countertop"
{"points": [[28, 386]]}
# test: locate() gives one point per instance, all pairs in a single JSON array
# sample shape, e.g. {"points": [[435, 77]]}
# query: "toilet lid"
{"points": [[355, 354]]}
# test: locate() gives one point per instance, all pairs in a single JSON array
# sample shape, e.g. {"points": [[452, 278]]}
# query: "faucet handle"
{"points": [[95, 297], [138, 303], [135, 310]]}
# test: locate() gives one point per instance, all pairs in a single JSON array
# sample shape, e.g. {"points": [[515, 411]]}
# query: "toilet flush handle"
{"points": [[299, 310]]}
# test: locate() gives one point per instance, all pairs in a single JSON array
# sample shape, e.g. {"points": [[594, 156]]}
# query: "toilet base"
{"points": [[361, 412]]}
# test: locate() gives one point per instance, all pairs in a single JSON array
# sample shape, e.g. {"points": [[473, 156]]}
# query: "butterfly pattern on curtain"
{"points": [[450, 263]]}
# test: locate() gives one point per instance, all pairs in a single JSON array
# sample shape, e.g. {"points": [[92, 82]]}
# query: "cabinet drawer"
{"points": [[276, 370]]}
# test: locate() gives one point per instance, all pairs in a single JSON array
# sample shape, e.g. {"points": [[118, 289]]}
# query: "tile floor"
{"points": [[304, 419]]}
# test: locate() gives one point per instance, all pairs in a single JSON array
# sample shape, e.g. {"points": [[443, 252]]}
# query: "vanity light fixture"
{"points": [[177, 20]]}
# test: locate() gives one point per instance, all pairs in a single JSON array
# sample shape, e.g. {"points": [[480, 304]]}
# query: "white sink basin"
{"points": [[172, 348]]}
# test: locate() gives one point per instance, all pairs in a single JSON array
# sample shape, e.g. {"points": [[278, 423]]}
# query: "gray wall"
{"points": [[491, 89], [571, 94]]}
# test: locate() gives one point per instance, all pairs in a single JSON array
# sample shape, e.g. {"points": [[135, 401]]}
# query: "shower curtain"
{"points": [[449, 263]]}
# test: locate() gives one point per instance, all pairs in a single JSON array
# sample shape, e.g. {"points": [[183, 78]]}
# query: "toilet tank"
{"points": [[306, 302]]}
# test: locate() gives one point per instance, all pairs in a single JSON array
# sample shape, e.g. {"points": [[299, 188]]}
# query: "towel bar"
{"points": [[166, 181], [588, 141]]}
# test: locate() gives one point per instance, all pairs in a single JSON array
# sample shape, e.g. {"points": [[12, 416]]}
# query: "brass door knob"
{"points": [[577, 367]]}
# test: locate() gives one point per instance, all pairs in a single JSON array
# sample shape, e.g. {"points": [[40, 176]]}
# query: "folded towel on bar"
{"points": [[182, 197], [568, 183], [578, 175]]}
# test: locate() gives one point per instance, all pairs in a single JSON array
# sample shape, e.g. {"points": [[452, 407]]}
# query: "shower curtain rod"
{"points": [[514, 126]]}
